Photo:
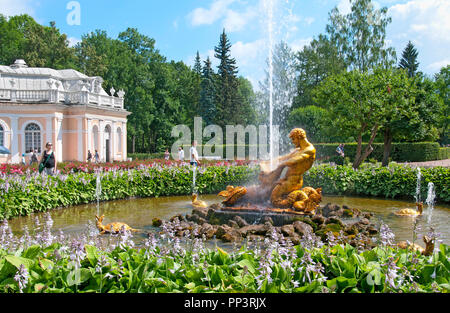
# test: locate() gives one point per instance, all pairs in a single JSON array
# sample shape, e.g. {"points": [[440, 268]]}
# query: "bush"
{"points": [[444, 153], [24, 194], [395, 181], [401, 152]]}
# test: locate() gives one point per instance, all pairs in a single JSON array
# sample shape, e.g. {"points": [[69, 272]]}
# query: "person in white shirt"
{"points": [[194, 154], [180, 154]]}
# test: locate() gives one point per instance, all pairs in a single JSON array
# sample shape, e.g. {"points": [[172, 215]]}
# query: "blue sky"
{"points": [[181, 27]]}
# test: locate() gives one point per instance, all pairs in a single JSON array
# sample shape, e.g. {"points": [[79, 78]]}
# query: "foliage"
{"points": [[50, 264], [401, 152], [442, 84], [24, 194], [395, 181], [360, 36], [316, 121], [40, 46], [314, 63], [408, 61]]}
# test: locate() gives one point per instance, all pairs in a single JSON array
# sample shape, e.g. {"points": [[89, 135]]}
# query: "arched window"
{"points": [[33, 138], [119, 140], [95, 135], [2, 136]]}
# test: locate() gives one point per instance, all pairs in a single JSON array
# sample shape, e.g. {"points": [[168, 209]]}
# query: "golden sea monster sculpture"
{"points": [[283, 192], [411, 212], [112, 228]]}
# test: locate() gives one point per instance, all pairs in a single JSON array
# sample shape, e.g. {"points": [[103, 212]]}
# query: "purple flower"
{"points": [[21, 277]]}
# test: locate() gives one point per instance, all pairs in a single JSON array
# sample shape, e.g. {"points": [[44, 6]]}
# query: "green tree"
{"points": [[40, 46], [354, 100], [442, 80], [228, 100], [315, 121], [408, 61], [360, 36], [314, 63], [208, 93]]}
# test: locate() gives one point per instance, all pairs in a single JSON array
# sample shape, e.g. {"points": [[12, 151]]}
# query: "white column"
{"points": [[59, 139], [48, 131], [113, 141], [101, 144], [89, 135], [15, 158], [80, 139], [124, 141]]}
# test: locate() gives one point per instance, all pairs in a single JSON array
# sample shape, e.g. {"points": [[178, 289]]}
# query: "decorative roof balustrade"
{"points": [[19, 83]]}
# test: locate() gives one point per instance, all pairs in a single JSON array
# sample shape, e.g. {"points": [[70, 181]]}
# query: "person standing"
{"points": [[181, 154], [194, 154], [33, 157], [23, 159], [89, 158], [97, 157], [340, 153], [166, 155], [48, 160]]}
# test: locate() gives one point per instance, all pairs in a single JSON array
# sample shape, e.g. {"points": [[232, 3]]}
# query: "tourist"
{"points": [[340, 153], [89, 158], [97, 157], [48, 160], [180, 154], [194, 154], [33, 157], [166, 155], [23, 159]]}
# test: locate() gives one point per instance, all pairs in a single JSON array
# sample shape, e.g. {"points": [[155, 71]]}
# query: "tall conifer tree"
{"points": [[409, 60]]}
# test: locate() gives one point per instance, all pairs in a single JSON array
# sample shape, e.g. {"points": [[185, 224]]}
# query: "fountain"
{"points": [[431, 196], [419, 176], [98, 190]]}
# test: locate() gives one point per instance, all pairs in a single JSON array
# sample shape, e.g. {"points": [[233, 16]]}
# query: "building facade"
{"points": [[64, 107]]}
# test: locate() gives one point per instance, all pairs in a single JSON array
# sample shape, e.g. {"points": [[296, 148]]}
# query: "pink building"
{"points": [[64, 107]]}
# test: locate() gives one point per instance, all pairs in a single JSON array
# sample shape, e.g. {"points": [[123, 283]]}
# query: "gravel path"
{"points": [[444, 163]]}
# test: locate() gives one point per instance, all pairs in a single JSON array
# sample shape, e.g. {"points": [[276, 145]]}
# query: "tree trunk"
{"points": [[134, 144], [359, 147], [368, 150], [388, 138]]}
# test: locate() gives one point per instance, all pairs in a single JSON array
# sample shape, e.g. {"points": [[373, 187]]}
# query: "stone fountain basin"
{"points": [[252, 216]]}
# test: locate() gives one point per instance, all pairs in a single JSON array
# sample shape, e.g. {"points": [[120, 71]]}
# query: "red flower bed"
{"points": [[74, 167]]}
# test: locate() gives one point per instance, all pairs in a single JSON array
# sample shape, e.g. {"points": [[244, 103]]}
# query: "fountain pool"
{"points": [[138, 213]]}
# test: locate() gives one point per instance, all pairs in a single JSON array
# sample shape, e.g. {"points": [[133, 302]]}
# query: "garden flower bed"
{"points": [[44, 262]]}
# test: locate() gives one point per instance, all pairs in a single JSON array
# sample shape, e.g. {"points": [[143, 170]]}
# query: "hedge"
{"points": [[444, 153], [401, 152], [395, 181]]}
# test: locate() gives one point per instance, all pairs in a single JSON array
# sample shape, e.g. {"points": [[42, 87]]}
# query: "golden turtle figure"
{"points": [[411, 212], [198, 203], [112, 228], [429, 246]]}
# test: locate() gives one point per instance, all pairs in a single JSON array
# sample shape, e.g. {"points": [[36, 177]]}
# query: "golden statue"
{"points": [[284, 192]]}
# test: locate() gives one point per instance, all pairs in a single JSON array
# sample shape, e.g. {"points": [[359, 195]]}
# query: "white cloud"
{"points": [[430, 18], [426, 23], [298, 44], [202, 16], [248, 53], [436, 66], [16, 7], [344, 6], [73, 41]]}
